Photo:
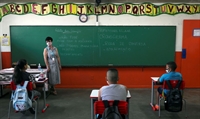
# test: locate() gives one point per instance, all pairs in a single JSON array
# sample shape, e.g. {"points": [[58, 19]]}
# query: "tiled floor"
{"points": [[75, 104]]}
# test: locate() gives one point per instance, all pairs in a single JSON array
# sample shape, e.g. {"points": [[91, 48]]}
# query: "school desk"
{"points": [[154, 81], [94, 97], [35, 72]]}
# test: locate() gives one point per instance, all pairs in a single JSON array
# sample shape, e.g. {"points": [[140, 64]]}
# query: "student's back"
{"points": [[113, 92], [20, 75]]}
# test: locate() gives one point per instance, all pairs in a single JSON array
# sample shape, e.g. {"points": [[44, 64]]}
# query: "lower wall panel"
{"points": [[94, 77]]}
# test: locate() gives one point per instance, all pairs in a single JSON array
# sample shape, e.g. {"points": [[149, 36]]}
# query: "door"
{"points": [[190, 65]]}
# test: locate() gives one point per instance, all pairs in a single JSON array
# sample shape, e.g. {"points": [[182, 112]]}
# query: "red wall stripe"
{"points": [[94, 77]]}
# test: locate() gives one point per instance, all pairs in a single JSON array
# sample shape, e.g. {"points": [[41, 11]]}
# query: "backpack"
{"points": [[21, 101], [111, 112], [173, 100]]}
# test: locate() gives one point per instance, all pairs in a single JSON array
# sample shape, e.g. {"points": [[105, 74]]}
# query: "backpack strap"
{"points": [[179, 83], [24, 86], [106, 104], [115, 103], [169, 84]]}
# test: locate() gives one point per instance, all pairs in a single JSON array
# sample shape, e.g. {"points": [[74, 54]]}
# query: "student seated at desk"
{"points": [[170, 74], [20, 75], [112, 91], [15, 63]]}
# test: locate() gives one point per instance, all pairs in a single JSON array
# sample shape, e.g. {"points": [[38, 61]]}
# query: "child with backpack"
{"points": [[170, 74], [20, 76], [112, 91]]}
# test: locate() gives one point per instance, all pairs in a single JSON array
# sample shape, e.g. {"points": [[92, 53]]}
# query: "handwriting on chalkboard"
{"points": [[112, 36], [110, 43], [71, 54], [107, 40], [67, 31], [117, 49], [72, 44], [114, 30]]}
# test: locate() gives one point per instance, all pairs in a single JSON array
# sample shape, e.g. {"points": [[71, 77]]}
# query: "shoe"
{"points": [[156, 107], [32, 110], [54, 92]]}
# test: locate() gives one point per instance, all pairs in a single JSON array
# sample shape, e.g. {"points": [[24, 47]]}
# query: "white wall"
{"points": [[31, 19]]}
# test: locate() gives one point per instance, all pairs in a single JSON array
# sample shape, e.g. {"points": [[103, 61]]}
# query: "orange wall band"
{"points": [[94, 77]]}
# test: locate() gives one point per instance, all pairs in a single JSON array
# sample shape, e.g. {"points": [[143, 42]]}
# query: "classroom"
{"points": [[137, 37]]}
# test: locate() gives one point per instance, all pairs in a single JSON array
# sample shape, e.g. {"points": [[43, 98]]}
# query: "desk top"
{"points": [[8, 82], [155, 78], [94, 94], [11, 70]]}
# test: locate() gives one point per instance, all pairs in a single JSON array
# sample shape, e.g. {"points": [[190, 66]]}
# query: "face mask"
{"points": [[49, 43], [167, 70]]}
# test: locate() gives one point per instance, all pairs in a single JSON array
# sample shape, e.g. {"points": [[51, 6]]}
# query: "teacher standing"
{"points": [[53, 64]]}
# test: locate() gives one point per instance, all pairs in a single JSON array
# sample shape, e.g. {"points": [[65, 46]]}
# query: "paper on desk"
{"points": [[39, 79], [9, 69], [155, 78]]}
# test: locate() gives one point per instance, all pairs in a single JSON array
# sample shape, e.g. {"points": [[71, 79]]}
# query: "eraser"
{"points": [[97, 23]]}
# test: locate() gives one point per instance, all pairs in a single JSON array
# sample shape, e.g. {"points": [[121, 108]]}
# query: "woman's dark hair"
{"points": [[49, 39], [17, 76]]}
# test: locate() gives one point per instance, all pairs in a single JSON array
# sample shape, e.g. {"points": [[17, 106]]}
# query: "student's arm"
{"points": [[32, 79], [161, 79], [45, 59], [58, 58], [99, 95], [34, 86]]}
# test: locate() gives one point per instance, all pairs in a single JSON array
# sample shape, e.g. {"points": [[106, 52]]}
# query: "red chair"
{"points": [[173, 84], [122, 107], [29, 88]]}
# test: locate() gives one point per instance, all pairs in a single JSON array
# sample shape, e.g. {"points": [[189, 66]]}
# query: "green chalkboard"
{"points": [[96, 45]]}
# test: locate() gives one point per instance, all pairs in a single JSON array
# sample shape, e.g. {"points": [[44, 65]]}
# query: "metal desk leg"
{"points": [[128, 108], [45, 105], [92, 107], [1, 90], [152, 95]]}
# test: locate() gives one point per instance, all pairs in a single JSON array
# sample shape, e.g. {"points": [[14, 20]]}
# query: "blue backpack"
{"points": [[21, 101]]}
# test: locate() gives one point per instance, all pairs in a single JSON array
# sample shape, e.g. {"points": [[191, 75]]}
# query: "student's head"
{"points": [[112, 76], [171, 66], [20, 66], [49, 41]]}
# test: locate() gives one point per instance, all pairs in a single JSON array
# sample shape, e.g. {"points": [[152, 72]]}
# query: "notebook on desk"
{"points": [[155, 78]]}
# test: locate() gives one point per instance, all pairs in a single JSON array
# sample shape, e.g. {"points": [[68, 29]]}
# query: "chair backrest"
{"points": [[122, 107], [29, 86], [173, 84]]}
